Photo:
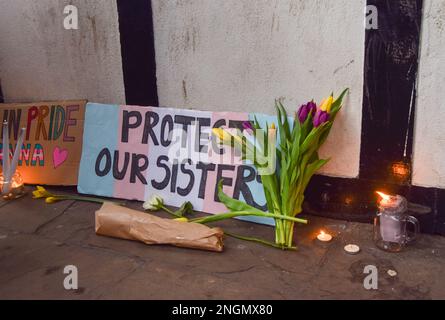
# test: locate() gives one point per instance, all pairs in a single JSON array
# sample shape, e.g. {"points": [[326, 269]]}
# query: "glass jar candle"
{"points": [[390, 225], [12, 189]]}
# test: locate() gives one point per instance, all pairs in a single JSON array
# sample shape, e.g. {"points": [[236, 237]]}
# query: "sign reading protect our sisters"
{"points": [[133, 152], [50, 153]]}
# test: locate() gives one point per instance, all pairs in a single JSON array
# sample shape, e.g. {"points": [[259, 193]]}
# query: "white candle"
{"points": [[352, 248], [15, 158], [324, 237], [5, 158]]}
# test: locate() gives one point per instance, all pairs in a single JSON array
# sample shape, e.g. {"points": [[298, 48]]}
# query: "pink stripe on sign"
{"points": [[135, 151], [231, 162]]}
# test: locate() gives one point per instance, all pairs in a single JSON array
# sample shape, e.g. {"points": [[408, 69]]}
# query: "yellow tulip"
{"points": [[41, 192], [327, 104], [222, 135], [51, 200], [273, 125], [36, 194], [218, 132]]}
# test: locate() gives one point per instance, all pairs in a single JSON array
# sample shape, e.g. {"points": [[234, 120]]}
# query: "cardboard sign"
{"points": [[52, 146], [135, 152]]}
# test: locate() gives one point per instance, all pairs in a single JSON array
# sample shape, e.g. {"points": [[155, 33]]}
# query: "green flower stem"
{"points": [[168, 211], [290, 233], [277, 231], [81, 198], [260, 241], [279, 235], [223, 216]]}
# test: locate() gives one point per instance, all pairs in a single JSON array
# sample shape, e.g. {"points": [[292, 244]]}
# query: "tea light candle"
{"points": [[352, 249], [324, 237]]}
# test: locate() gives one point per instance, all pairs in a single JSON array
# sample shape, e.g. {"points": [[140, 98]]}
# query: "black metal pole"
{"points": [[138, 52]]}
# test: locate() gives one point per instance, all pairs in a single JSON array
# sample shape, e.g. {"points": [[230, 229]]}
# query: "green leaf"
{"points": [[284, 118], [184, 210], [280, 128], [233, 204], [336, 106], [256, 123], [314, 136], [268, 200], [306, 127], [271, 187], [296, 144], [311, 169]]}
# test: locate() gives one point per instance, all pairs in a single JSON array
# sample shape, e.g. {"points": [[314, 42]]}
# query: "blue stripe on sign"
{"points": [[100, 131]]}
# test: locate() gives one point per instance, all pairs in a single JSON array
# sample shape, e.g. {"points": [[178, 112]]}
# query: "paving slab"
{"points": [[38, 240]]}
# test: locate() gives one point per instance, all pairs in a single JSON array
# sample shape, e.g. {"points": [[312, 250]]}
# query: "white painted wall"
{"points": [[225, 55], [241, 55], [429, 144], [40, 60]]}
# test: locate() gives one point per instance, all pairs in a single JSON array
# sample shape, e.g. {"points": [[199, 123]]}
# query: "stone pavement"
{"points": [[38, 240]]}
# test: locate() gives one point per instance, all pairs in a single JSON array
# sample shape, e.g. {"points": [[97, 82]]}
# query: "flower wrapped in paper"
{"points": [[120, 222]]}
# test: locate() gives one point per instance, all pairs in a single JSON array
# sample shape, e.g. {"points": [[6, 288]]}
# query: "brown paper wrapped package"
{"points": [[116, 221]]}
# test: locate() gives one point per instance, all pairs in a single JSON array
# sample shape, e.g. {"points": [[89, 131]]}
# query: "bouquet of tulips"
{"points": [[296, 156]]}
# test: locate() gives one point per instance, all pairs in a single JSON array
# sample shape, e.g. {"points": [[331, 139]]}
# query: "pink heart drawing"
{"points": [[59, 156]]}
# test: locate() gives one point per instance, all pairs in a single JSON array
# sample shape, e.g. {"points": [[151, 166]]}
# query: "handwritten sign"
{"points": [[135, 152], [52, 146]]}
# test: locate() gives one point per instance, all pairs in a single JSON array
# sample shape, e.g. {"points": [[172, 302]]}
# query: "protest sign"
{"points": [[134, 152], [50, 153]]}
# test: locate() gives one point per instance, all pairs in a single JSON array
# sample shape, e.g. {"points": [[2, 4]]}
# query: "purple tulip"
{"points": [[305, 110], [320, 118], [247, 125]]}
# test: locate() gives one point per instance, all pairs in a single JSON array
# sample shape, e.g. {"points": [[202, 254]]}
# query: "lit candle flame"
{"points": [[324, 237], [384, 196]]}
